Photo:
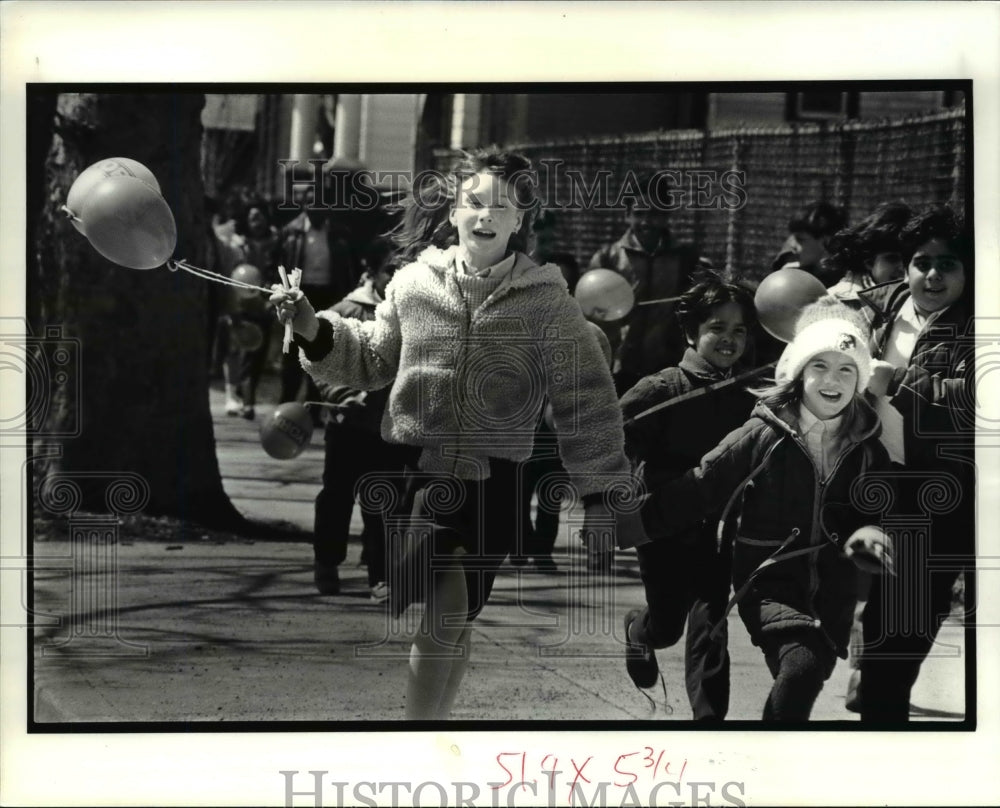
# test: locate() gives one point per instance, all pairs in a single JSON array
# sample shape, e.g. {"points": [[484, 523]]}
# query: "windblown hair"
{"points": [[854, 248], [938, 223], [424, 220]]}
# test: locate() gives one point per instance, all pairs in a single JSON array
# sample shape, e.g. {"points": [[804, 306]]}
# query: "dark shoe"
{"points": [[853, 700], [640, 661], [518, 560], [248, 413], [327, 578], [544, 563]]}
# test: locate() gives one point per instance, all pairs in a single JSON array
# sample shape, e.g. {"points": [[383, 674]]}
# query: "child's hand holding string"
{"points": [[293, 307]]}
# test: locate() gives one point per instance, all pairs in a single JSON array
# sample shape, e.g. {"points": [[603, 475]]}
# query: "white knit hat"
{"points": [[833, 334]]}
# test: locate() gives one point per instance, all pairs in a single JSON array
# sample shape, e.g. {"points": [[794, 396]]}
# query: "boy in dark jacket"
{"points": [[688, 581]]}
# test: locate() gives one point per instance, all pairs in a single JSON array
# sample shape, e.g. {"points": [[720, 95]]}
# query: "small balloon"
{"points": [[247, 335], [602, 338], [287, 432], [247, 273], [128, 222], [89, 178], [604, 295], [781, 297]]}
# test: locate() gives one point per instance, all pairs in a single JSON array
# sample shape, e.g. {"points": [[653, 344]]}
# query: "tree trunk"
{"points": [[136, 402]]}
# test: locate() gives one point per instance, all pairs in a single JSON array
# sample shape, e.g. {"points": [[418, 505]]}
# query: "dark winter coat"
{"points": [[936, 397], [672, 440], [783, 509]]}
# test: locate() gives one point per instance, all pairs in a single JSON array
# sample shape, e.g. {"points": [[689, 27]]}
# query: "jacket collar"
{"points": [[526, 273], [694, 364], [885, 300], [786, 420]]}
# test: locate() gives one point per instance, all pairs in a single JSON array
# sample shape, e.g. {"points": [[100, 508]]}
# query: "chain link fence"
{"points": [[852, 164]]}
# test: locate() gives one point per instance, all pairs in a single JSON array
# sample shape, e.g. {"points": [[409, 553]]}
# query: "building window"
{"points": [[822, 106]]}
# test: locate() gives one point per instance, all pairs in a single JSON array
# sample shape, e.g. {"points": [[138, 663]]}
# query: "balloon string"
{"points": [[661, 300], [70, 214], [208, 275]]}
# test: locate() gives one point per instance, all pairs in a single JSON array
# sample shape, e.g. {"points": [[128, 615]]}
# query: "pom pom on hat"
{"points": [[826, 326]]}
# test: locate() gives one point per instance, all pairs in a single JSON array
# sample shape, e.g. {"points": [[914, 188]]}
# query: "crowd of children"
{"points": [[752, 477]]}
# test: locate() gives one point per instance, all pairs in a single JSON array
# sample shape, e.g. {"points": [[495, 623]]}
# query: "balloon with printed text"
{"points": [[781, 297], [90, 177], [129, 222], [287, 431]]}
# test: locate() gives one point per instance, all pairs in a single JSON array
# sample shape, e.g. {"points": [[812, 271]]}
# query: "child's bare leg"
{"points": [[458, 667], [438, 653]]}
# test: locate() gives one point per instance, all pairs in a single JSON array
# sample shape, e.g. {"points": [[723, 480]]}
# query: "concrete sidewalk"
{"points": [[235, 631]]}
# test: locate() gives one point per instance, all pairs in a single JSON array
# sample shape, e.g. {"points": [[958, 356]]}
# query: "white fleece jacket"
{"points": [[469, 385]]}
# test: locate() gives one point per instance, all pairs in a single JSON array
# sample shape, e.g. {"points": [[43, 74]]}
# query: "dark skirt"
{"points": [[442, 516]]}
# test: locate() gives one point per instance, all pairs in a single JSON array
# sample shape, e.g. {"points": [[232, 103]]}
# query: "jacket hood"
{"points": [[525, 272]]}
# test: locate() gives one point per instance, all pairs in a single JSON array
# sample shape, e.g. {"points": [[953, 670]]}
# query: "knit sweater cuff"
{"points": [[319, 347]]}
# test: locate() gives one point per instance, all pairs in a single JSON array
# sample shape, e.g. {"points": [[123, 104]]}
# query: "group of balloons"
{"points": [[117, 204], [606, 296]]}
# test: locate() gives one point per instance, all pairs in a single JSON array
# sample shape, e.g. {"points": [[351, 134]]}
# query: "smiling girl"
{"points": [[472, 339], [787, 475]]}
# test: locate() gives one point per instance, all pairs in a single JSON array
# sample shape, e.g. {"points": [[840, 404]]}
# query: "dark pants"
{"points": [[688, 582], [541, 475], [291, 369], [351, 453], [800, 660], [904, 612], [476, 518]]}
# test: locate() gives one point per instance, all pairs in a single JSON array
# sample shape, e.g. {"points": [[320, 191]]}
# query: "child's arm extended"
{"points": [[343, 350], [705, 490]]}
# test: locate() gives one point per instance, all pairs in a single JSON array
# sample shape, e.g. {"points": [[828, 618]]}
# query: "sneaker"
{"points": [[248, 413], [327, 578], [380, 592], [640, 661], [233, 407]]}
